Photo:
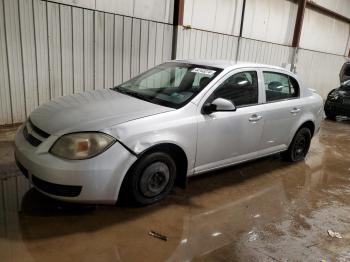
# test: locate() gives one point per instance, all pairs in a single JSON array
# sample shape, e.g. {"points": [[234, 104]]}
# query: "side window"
{"points": [[241, 89], [280, 86]]}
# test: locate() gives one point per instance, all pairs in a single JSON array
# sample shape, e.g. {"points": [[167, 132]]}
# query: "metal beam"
{"points": [[299, 23], [177, 20], [179, 12], [242, 18]]}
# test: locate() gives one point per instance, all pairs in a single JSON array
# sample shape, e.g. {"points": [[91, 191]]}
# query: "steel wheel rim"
{"points": [[300, 147], [154, 179]]}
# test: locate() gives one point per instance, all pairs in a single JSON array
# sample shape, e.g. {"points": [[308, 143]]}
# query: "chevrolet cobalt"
{"points": [[182, 118]]}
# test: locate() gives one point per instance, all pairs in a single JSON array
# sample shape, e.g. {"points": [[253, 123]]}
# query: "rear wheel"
{"points": [[299, 147], [150, 179]]}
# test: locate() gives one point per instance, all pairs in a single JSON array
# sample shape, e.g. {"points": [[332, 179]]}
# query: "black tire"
{"points": [[299, 147], [330, 115], [149, 180]]}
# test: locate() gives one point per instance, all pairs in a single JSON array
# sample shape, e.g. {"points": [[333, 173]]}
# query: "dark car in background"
{"points": [[338, 100]]}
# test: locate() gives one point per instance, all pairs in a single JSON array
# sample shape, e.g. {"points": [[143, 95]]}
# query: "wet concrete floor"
{"points": [[266, 210]]}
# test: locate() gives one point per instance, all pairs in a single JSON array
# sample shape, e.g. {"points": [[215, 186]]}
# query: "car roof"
{"points": [[224, 64]]}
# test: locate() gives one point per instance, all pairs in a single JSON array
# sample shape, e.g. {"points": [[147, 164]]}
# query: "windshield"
{"points": [[169, 84], [346, 84]]}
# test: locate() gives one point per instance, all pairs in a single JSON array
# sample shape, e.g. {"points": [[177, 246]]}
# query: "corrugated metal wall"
{"points": [[199, 44], [324, 33], [319, 71], [221, 16], [270, 20], [264, 52], [144, 9], [339, 6], [48, 50]]}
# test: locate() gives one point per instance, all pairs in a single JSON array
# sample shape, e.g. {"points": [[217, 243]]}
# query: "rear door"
{"points": [[281, 111]]}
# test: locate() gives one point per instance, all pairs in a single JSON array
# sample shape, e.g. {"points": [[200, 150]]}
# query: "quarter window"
{"points": [[241, 89], [279, 86]]}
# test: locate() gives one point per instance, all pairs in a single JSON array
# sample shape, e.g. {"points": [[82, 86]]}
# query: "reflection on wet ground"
{"points": [[266, 210]]}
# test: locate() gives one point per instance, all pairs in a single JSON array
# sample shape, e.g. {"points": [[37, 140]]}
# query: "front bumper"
{"points": [[337, 108], [95, 180]]}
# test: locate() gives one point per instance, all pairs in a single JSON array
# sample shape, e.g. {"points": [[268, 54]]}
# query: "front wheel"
{"points": [[150, 179], [299, 147], [330, 115]]}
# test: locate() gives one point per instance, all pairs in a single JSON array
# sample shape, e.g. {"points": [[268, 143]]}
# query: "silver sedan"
{"points": [[179, 119]]}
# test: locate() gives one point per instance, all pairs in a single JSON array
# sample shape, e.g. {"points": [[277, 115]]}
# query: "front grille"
{"points": [[38, 130], [33, 134], [31, 139], [56, 189]]}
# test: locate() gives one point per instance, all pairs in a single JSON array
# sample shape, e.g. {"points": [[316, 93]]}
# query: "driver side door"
{"points": [[230, 137]]}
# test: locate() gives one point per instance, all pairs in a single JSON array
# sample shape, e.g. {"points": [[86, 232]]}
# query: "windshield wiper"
{"points": [[133, 94]]}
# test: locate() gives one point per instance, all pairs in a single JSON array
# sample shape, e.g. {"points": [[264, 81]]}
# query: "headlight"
{"points": [[333, 95], [81, 145]]}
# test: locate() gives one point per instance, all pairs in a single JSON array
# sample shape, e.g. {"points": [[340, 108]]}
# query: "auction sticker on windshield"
{"points": [[203, 71]]}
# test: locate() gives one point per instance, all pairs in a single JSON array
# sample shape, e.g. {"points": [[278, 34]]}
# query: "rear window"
{"points": [[279, 86]]}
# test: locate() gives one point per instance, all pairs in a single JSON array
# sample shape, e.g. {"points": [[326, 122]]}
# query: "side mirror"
{"points": [[219, 104]]}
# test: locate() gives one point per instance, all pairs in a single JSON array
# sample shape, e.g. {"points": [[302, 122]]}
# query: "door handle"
{"points": [[255, 118], [295, 110]]}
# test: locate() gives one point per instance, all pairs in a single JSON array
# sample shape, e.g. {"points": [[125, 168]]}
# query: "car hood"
{"points": [[91, 111], [343, 92]]}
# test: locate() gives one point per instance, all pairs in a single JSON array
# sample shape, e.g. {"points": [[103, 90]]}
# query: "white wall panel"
{"points": [[123, 7], [157, 10], [159, 44], [78, 49], [324, 33], [67, 49], [82, 3], [109, 51], [135, 47], [29, 54], [55, 59], [144, 45], [222, 16], [347, 50], [167, 42], [263, 52], [127, 31], [198, 44], [152, 32], [118, 49], [99, 31], [49, 50], [89, 43], [319, 71], [5, 99], [339, 6], [270, 20], [14, 54], [42, 54]]}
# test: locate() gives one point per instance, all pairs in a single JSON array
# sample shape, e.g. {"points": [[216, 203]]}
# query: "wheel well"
{"points": [[178, 155], [310, 125]]}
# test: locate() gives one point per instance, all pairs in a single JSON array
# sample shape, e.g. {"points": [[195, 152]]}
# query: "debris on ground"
{"points": [[157, 235], [333, 234], [252, 236], [312, 245]]}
